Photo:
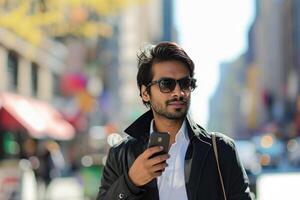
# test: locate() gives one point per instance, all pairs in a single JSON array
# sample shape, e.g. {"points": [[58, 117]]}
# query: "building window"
{"points": [[34, 78], [12, 68]]}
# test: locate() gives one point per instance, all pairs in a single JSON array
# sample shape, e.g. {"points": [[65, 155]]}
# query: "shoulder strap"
{"points": [[213, 137]]}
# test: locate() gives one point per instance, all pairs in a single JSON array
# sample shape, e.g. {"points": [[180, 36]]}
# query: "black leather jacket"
{"points": [[201, 175]]}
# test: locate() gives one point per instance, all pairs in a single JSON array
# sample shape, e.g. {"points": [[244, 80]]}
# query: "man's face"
{"points": [[172, 105]]}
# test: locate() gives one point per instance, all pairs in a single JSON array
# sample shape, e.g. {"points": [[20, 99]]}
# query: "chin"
{"points": [[177, 115]]}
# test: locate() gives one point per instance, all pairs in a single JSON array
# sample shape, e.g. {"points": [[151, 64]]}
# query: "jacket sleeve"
{"points": [[235, 178], [115, 183]]}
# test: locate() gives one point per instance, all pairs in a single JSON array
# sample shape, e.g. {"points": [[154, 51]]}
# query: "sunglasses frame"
{"points": [[192, 84]]}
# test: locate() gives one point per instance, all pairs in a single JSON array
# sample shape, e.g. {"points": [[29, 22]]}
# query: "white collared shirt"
{"points": [[171, 184]]}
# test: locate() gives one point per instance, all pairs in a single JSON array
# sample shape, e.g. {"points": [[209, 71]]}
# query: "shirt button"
{"points": [[121, 196]]}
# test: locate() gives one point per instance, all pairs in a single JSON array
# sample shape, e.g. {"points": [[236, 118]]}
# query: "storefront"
{"points": [[27, 126]]}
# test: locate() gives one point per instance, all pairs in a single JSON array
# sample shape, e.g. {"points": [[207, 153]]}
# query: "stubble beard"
{"points": [[178, 114]]}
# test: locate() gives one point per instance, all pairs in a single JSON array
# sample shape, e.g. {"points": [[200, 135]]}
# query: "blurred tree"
{"points": [[33, 20]]}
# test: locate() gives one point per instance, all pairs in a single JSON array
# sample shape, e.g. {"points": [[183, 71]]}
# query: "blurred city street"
{"points": [[68, 89]]}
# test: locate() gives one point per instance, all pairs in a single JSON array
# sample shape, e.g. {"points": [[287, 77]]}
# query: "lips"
{"points": [[177, 104]]}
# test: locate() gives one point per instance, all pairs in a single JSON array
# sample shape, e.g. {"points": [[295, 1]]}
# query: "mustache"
{"points": [[181, 99]]}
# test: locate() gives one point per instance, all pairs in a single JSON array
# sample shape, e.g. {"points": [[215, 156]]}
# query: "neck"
{"points": [[166, 125]]}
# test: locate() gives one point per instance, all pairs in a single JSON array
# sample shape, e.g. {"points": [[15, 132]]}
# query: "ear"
{"points": [[145, 94]]}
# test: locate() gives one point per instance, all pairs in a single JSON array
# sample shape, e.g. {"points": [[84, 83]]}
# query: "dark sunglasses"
{"points": [[167, 85]]}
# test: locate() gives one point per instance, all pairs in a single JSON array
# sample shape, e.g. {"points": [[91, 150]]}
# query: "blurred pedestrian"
{"points": [[189, 170], [52, 162]]}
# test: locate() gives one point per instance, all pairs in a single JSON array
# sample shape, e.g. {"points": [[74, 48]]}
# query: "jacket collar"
{"points": [[140, 128]]}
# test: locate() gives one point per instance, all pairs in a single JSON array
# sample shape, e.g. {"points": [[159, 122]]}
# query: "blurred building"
{"points": [[229, 119], [147, 23], [30, 70], [268, 93], [269, 59], [274, 59], [28, 85]]}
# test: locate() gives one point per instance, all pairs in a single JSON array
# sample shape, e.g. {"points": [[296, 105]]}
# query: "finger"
{"points": [[156, 174], [152, 150], [158, 159], [159, 167]]}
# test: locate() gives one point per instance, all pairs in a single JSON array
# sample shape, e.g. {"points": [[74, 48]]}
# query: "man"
{"points": [[189, 171]]}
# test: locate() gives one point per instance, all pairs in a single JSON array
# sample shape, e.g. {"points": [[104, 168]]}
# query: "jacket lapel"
{"points": [[195, 156]]}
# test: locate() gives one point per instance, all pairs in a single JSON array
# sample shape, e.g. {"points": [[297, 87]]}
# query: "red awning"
{"points": [[38, 117]]}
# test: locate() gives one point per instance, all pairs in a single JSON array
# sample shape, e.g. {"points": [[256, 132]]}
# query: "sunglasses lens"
{"points": [[185, 84], [167, 85]]}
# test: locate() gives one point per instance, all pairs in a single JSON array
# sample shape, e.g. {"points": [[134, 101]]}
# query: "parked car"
{"points": [[270, 150]]}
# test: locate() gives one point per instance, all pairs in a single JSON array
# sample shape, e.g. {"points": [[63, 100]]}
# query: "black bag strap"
{"points": [[213, 137]]}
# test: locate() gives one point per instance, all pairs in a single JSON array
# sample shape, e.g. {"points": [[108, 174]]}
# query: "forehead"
{"points": [[170, 69]]}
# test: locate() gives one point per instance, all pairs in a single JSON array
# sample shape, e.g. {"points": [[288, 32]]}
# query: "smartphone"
{"points": [[159, 139]]}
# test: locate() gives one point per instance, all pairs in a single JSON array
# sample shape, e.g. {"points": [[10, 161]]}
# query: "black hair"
{"points": [[164, 51]]}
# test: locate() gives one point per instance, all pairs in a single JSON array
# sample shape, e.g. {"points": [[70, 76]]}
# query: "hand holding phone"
{"points": [[146, 167], [152, 162]]}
